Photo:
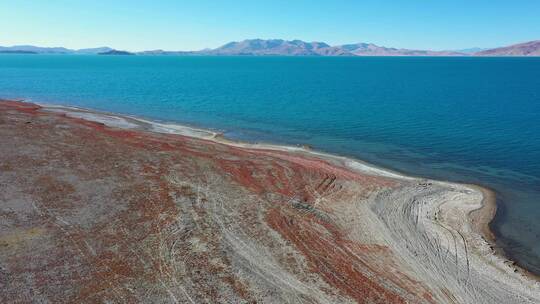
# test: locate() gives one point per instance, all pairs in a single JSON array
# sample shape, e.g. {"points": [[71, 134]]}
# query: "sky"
{"points": [[137, 25]]}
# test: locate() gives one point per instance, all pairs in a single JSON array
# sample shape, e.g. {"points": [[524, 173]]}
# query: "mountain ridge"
{"points": [[281, 47], [31, 49], [530, 48]]}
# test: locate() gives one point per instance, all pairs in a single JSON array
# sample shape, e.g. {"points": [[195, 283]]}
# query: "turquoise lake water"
{"points": [[474, 120]]}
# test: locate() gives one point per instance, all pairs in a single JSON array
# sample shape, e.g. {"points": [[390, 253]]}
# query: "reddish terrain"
{"points": [[94, 214], [90, 213]]}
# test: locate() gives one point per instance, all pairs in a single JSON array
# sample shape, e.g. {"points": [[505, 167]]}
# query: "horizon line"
{"points": [[247, 39]]}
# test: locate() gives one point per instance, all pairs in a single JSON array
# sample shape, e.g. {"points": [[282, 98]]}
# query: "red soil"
{"points": [[113, 252]]}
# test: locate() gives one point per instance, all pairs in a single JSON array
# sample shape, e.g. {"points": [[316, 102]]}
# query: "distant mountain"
{"points": [[30, 49], [36, 49], [276, 47], [471, 50], [370, 49], [280, 47], [116, 52], [16, 52], [93, 51], [300, 48], [169, 53], [531, 48]]}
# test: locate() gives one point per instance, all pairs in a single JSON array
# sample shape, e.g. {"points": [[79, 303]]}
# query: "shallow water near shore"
{"points": [[474, 120]]}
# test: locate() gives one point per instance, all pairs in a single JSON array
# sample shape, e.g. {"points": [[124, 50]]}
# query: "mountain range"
{"points": [[52, 50], [280, 47]]}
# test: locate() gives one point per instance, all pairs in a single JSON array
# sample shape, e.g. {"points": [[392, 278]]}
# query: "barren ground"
{"points": [[91, 213]]}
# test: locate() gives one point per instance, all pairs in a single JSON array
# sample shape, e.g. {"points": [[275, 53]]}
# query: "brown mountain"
{"points": [[531, 48]]}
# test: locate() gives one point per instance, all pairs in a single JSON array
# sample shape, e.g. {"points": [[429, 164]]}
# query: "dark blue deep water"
{"points": [[471, 120]]}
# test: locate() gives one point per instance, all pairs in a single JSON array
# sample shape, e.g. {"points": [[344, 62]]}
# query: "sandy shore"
{"points": [[275, 224]]}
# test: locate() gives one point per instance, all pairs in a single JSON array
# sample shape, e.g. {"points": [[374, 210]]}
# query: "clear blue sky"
{"points": [[190, 25]]}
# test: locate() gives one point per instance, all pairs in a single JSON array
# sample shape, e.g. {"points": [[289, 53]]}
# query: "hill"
{"points": [[116, 52], [370, 49], [531, 48]]}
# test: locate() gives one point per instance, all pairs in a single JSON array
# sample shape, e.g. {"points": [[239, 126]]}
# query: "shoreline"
{"points": [[440, 207], [480, 218]]}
